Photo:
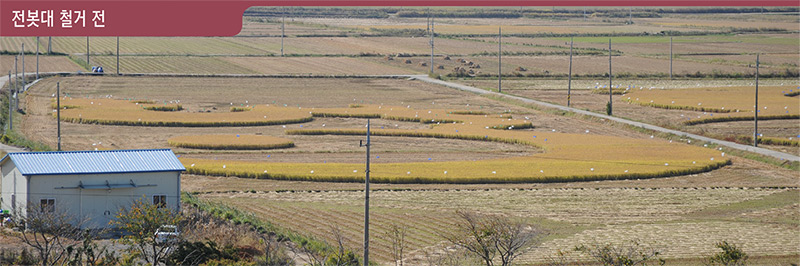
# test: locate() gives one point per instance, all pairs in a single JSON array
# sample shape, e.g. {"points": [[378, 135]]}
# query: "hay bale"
{"points": [[520, 69], [440, 67], [408, 61], [388, 58], [471, 72], [476, 66], [423, 64], [446, 57], [470, 63]]}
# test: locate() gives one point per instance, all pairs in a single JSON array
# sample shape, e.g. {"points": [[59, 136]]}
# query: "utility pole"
{"points": [[366, 201], [87, 53], [58, 112], [569, 81], [499, 59], [16, 82], [584, 13], [23, 66], [37, 57], [432, 45], [117, 55], [670, 57], [630, 15], [10, 106], [610, 93], [49, 45], [755, 128], [283, 28]]}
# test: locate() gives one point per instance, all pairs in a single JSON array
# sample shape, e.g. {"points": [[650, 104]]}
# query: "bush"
{"points": [[731, 255]]}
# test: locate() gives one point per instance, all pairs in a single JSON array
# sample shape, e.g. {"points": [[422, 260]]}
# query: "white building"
{"points": [[90, 184]]}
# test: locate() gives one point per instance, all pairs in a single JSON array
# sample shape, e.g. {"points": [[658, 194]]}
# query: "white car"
{"points": [[167, 234]]}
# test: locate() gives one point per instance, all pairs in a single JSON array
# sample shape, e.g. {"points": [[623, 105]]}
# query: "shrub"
{"points": [[731, 255]]}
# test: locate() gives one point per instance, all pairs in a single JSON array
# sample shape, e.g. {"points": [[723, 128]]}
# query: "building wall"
{"points": [[99, 206], [14, 187]]}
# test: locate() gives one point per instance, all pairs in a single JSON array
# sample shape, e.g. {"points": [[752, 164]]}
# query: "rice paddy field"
{"points": [[286, 149]]}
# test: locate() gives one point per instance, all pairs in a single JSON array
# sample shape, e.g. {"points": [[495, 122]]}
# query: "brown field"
{"points": [[665, 216], [649, 45], [272, 27], [169, 64], [379, 45], [489, 26], [46, 64], [315, 65], [581, 65]]}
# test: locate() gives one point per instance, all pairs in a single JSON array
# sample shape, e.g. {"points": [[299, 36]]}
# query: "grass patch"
{"points": [[237, 216]]}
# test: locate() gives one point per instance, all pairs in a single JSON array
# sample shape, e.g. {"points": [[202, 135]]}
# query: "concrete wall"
{"points": [[14, 188]]}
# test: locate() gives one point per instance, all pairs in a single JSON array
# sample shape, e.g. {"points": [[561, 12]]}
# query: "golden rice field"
{"points": [[230, 142], [567, 157], [121, 112], [721, 103]]}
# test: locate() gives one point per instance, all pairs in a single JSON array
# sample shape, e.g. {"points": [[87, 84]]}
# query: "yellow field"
{"points": [[567, 157], [230, 142], [721, 103], [120, 112]]}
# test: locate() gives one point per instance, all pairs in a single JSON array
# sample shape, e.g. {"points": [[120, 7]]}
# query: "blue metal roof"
{"points": [[94, 162]]}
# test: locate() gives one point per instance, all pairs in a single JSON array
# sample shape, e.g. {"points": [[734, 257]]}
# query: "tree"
{"points": [[49, 230], [489, 236], [140, 222], [731, 255], [629, 254], [397, 235]]}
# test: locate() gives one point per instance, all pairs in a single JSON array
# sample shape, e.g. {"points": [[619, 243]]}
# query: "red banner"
{"points": [[224, 18]]}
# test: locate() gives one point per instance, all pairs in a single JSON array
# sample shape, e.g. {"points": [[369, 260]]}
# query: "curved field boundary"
{"points": [[566, 157], [230, 142], [762, 151], [736, 102], [720, 119], [125, 113], [676, 107]]}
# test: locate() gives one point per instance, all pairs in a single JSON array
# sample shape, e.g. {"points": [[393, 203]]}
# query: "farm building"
{"points": [[91, 185]]}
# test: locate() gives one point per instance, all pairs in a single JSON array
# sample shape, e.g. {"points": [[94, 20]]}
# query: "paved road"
{"points": [[776, 154]]}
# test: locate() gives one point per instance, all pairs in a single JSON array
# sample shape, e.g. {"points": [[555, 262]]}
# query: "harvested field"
{"points": [[272, 27], [14, 44], [582, 65], [315, 65], [712, 45], [46, 64], [378, 45], [490, 25], [156, 46], [579, 216], [169, 64]]}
